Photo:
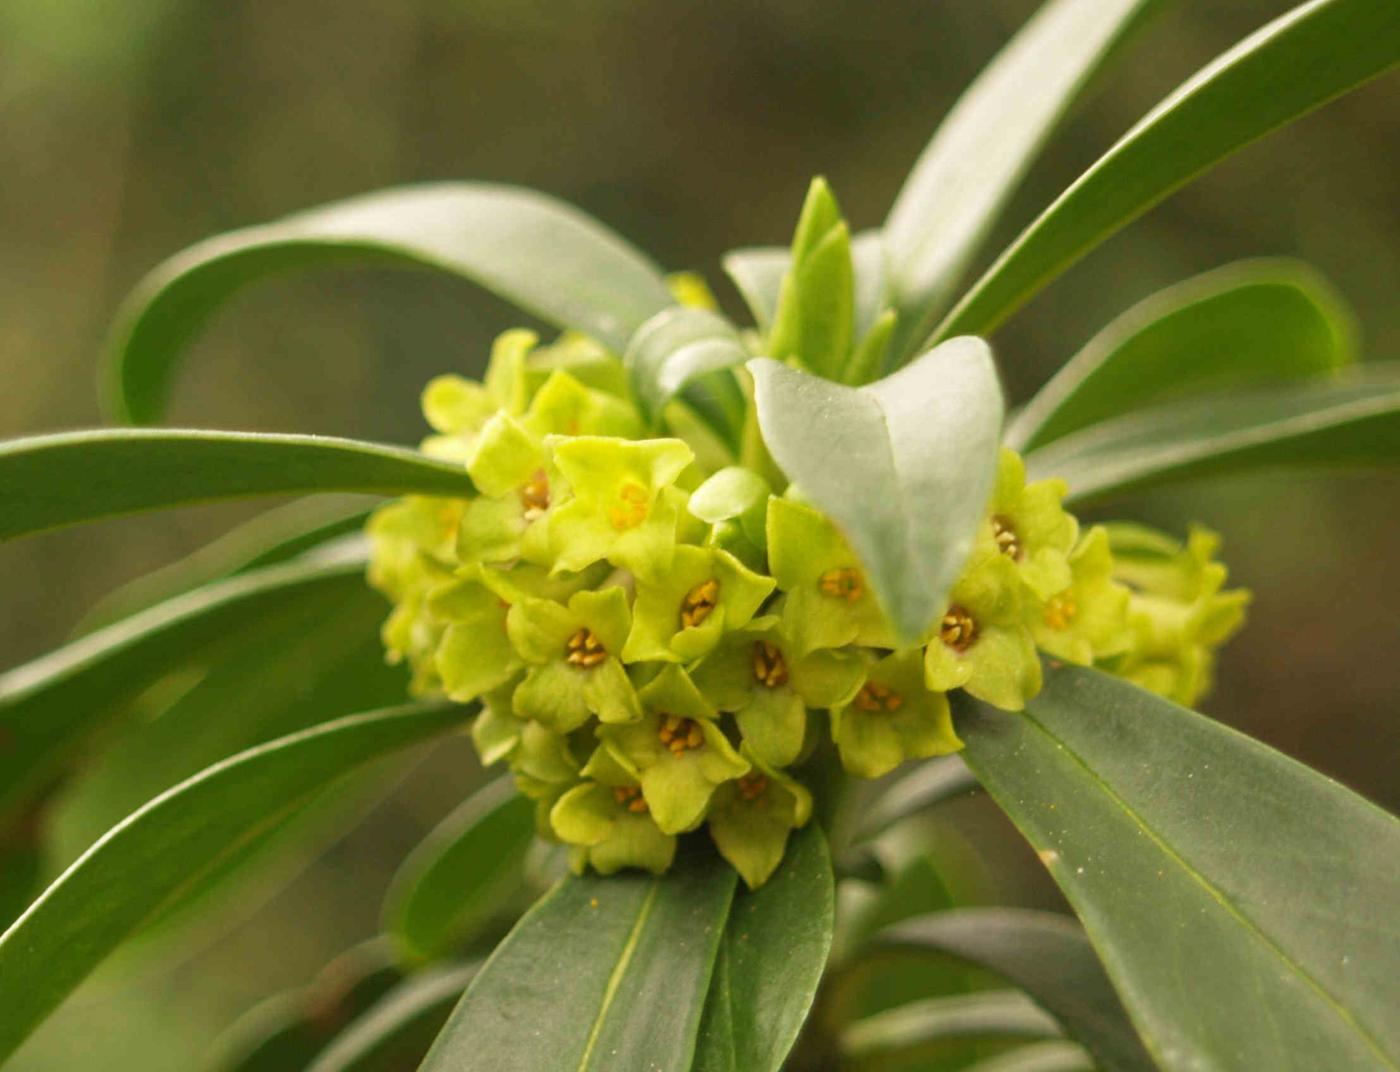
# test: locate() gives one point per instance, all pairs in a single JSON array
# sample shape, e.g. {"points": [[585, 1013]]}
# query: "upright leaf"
{"points": [[70, 478], [1249, 323], [1299, 61], [1242, 904], [544, 256], [815, 319], [977, 156], [601, 974], [903, 466], [131, 874], [451, 883], [771, 963], [1046, 955], [1352, 422], [50, 707]]}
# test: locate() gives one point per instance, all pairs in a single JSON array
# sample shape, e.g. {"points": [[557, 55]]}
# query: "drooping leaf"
{"points": [[676, 347], [272, 537], [70, 478], [601, 974], [964, 177], [50, 707], [1354, 421], [544, 256], [1055, 1056], [139, 866], [454, 880], [1250, 323], [771, 963], [923, 1025], [903, 466], [930, 782], [1301, 60], [398, 1030], [1046, 955], [1241, 903]]}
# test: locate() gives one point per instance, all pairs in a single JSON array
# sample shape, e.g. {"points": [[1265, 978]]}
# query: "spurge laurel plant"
{"points": [[695, 584]]}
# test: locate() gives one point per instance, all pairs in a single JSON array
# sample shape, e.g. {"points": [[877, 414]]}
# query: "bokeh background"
{"points": [[131, 128]]}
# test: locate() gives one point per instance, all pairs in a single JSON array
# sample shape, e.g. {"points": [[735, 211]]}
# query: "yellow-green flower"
{"points": [[750, 819], [1088, 620], [893, 717], [1030, 527], [681, 615], [608, 822]]}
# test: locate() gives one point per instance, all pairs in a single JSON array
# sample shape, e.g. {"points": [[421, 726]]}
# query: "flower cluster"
{"points": [[659, 638]]}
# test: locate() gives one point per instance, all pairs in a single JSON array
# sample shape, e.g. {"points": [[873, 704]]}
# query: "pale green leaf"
{"points": [[676, 347], [926, 1024]]}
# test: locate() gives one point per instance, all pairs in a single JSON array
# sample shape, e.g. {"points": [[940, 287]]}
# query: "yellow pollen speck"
{"points": [[1007, 540], [631, 508], [958, 630], [629, 797], [534, 496], [680, 735], [843, 583], [584, 649], [699, 602], [1061, 611], [769, 667], [593, 902], [876, 697]]}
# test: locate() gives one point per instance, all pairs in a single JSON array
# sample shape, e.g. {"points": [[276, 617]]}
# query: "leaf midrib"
{"points": [[619, 970], [1215, 893]]}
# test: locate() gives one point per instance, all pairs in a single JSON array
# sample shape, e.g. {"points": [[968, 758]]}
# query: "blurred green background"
{"points": [[131, 128]]}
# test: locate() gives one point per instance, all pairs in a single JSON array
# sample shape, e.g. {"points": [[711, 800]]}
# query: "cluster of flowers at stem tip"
{"points": [[660, 638]]}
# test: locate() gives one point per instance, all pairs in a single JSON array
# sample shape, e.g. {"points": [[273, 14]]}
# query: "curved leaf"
{"points": [[50, 481], [1301, 60], [904, 466], [1038, 1057], [1046, 955], [771, 963], [398, 1030], [1354, 421], [601, 974], [1247, 323], [991, 1014], [1242, 904], [758, 275], [930, 782], [544, 256], [49, 707], [141, 865], [676, 347], [969, 170], [451, 883]]}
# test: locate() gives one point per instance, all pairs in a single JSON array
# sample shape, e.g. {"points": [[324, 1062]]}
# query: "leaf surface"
{"points": [[990, 1014], [930, 782]]}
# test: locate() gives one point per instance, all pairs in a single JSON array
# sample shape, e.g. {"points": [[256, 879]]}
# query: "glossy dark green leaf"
{"points": [[1055, 1056], [452, 883], [601, 974], [904, 466], [771, 963], [271, 537], [1047, 956], [544, 256], [50, 481], [919, 1025], [127, 878], [1245, 324], [396, 1033], [931, 782], [1302, 59], [50, 707], [287, 1031], [676, 347], [1242, 904], [1353, 421], [960, 184]]}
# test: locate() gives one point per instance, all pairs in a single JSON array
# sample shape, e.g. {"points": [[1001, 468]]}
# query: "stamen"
{"points": [[1007, 540], [699, 602], [769, 666], [630, 797], [958, 630], [876, 697], [584, 649], [1061, 611], [631, 510], [680, 735], [843, 583], [752, 786], [534, 496]]}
